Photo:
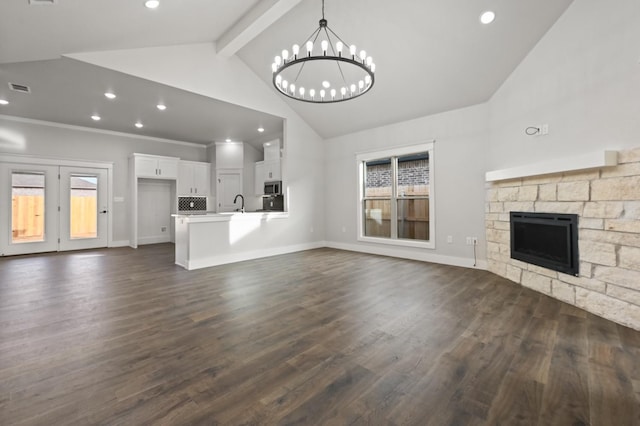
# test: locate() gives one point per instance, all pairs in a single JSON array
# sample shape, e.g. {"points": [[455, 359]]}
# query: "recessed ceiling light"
{"points": [[261, 129], [95, 117], [487, 17], [227, 140], [161, 107], [110, 95], [152, 4], [326, 84], [4, 102], [139, 125]]}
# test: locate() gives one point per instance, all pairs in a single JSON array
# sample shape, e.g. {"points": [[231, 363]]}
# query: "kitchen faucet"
{"points": [[236, 199]]}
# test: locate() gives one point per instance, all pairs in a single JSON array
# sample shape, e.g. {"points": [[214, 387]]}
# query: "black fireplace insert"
{"points": [[546, 239]]}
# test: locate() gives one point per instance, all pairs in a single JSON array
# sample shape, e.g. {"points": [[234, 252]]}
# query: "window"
{"points": [[396, 196]]}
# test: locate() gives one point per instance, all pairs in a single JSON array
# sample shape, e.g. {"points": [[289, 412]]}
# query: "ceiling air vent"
{"points": [[20, 88], [43, 1]]}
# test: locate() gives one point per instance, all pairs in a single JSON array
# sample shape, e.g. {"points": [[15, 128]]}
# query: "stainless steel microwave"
{"points": [[273, 188]]}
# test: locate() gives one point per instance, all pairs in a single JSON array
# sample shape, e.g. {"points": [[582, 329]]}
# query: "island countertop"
{"points": [[228, 216]]}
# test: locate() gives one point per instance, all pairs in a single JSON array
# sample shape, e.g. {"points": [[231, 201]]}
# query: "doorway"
{"points": [[52, 208]]}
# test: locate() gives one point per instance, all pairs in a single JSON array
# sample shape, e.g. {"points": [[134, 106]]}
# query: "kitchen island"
{"points": [[211, 239]]}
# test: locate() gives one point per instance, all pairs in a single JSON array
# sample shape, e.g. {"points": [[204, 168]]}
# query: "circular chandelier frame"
{"points": [[349, 90]]}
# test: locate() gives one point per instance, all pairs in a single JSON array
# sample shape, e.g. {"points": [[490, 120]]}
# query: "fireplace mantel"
{"points": [[591, 160]]}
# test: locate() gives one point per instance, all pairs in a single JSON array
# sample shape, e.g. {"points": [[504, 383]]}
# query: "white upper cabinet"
{"points": [[155, 167], [194, 178], [272, 165], [259, 178]]}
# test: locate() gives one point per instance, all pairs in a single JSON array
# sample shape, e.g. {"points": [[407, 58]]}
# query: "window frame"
{"points": [[393, 153]]}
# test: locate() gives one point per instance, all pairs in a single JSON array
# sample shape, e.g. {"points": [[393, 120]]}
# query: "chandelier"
{"points": [[335, 72]]}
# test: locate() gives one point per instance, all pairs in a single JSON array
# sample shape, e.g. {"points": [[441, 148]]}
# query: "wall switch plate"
{"points": [[545, 129], [449, 239]]}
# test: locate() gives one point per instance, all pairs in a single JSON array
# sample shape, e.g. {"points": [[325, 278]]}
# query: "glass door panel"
{"points": [[30, 224], [27, 207], [83, 206]]}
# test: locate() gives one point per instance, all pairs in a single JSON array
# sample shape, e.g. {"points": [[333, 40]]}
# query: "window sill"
{"points": [[403, 243]]}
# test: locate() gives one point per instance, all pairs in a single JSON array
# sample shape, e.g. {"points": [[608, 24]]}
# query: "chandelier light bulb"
{"points": [[352, 50], [296, 50], [369, 61], [339, 46], [278, 60], [343, 91], [363, 55], [285, 83], [312, 93], [367, 79], [325, 46], [322, 93], [373, 67], [333, 93], [353, 88], [279, 80], [309, 47], [292, 87], [274, 67], [285, 55], [361, 85], [301, 90]]}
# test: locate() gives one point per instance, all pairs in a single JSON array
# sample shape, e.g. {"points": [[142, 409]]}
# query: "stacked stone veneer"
{"points": [[607, 201]]}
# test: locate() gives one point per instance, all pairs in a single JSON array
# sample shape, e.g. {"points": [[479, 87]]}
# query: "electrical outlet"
{"points": [[469, 241], [474, 241]]}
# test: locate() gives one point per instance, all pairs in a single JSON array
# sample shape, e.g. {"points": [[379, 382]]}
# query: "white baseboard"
{"points": [[422, 255], [154, 240], [119, 243], [249, 255]]}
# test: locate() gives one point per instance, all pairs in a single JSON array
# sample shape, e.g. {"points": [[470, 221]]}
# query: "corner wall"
{"points": [[583, 80], [607, 202]]}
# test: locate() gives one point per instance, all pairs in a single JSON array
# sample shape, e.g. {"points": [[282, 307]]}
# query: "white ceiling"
{"points": [[431, 56]]}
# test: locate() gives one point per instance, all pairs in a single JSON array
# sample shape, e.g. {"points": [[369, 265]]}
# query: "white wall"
{"points": [[31, 138], [198, 69], [582, 78], [461, 139]]}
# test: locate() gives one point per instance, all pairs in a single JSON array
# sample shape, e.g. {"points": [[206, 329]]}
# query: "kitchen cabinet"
{"points": [[194, 178], [259, 178], [272, 171], [272, 161], [155, 167]]}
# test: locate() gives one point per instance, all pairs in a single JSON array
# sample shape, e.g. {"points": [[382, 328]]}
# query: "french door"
{"points": [[51, 208], [83, 208]]}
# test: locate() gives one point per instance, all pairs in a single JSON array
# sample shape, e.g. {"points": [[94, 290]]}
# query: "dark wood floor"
{"points": [[326, 337]]}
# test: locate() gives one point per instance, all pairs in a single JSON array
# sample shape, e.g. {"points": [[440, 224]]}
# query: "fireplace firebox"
{"points": [[546, 239]]}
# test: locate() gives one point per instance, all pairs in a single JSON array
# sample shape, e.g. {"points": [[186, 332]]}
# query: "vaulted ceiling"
{"points": [[431, 56]]}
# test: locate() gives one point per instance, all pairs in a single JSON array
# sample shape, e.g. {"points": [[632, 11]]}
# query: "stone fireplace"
{"points": [[607, 202]]}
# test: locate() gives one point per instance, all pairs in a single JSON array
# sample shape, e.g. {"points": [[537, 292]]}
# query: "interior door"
{"points": [[83, 208], [229, 185], [29, 208]]}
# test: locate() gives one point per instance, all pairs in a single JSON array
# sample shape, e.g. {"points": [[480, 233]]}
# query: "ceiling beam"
{"points": [[256, 20]]}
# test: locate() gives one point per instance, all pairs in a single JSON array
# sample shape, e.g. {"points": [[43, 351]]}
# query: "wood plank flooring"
{"points": [[327, 337]]}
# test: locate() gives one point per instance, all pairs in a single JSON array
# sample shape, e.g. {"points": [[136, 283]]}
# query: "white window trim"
{"points": [[393, 152]]}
